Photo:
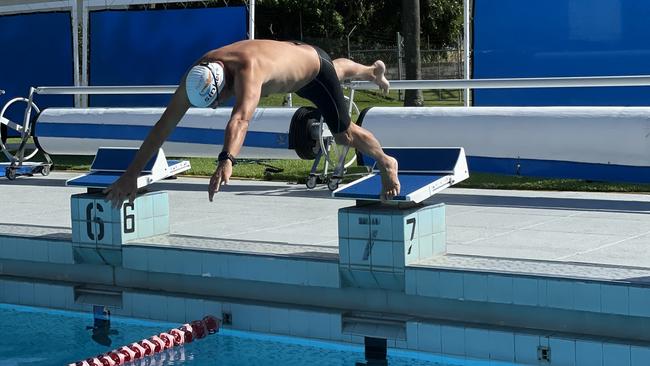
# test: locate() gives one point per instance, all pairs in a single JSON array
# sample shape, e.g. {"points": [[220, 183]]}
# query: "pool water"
{"points": [[37, 336]]}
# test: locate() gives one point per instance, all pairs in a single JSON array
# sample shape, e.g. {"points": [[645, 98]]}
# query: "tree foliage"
{"points": [[328, 22], [442, 20], [376, 21]]}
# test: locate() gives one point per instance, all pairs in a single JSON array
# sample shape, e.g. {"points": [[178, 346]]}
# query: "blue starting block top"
{"points": [[422, 172], [110, 163]]}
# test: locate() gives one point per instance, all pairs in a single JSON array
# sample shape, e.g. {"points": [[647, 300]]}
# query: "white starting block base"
{"points": [[96, 222], [377, 241]]}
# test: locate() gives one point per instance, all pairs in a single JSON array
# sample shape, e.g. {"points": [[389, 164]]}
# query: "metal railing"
{"points": [[140, 89], [555, 82]]}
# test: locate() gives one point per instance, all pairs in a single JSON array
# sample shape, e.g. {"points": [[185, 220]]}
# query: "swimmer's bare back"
{"points": [[281, 67]]}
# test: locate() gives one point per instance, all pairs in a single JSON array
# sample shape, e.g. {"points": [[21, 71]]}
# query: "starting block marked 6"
{"points": [[97, 223]]}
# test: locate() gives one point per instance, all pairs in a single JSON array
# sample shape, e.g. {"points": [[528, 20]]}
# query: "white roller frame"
{"points": [[326, 147]]}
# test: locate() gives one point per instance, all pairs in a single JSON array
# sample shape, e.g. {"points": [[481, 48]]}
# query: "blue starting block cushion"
{"points": [[422, 159], [370, 188], [422, 172], [110, 163], [411, 185], [95, 180], [118, 160]]}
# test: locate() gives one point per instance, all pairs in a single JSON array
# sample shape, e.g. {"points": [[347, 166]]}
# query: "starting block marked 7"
{"points": [[97, 225], [378, 239]]}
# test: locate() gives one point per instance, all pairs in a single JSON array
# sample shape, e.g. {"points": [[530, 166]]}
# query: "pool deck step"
{"points": [[595, 300], [546, 263]]}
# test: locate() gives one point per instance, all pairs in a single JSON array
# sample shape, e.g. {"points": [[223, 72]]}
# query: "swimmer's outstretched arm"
{"points": [[126, 185], [248, 90]]}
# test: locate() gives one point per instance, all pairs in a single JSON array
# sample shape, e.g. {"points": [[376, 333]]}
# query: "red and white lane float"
{"points": [[186, 333]]}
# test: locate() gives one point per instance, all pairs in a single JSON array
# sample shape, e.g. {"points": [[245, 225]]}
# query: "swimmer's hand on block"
{"points": [[126, 187]]}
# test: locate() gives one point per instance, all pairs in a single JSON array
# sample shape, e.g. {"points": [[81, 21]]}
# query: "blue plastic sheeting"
{"points": [[36, 51], [556, 38], [155, 47]]}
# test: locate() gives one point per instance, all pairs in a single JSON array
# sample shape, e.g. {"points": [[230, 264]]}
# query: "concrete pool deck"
{"points": [[260, 217], [523, 269]]}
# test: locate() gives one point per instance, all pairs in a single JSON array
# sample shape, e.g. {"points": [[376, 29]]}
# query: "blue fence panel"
{"points": [[155, 47], [36, 51], [555, 38]]}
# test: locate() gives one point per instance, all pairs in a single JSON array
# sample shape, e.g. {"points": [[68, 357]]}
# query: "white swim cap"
{"points": [[204, 83]]}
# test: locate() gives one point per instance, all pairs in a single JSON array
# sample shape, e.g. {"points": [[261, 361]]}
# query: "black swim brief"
{"points": [[326, 93]]}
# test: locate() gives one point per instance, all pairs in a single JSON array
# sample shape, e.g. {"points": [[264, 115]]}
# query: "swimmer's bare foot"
{"points": [[380, 79], [389, 181]]}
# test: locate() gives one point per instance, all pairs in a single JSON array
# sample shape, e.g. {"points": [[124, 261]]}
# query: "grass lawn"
{"points": [[298, 170]]}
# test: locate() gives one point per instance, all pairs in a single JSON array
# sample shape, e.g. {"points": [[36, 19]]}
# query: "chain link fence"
{"points": [[437, 64]]}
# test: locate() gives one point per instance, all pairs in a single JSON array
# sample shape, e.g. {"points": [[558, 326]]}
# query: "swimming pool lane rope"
{"points": [[147, 347]]}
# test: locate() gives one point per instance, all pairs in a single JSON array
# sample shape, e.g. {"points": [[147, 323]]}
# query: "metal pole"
{"points": [[468, 37], [349, 41], [75, 44], [399, 64], [351, 102], [251, 20], [435, 53], [459, 67], [84, 52]]}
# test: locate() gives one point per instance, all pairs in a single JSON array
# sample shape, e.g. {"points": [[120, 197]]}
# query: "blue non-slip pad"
{"points": [[370, 189]]}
